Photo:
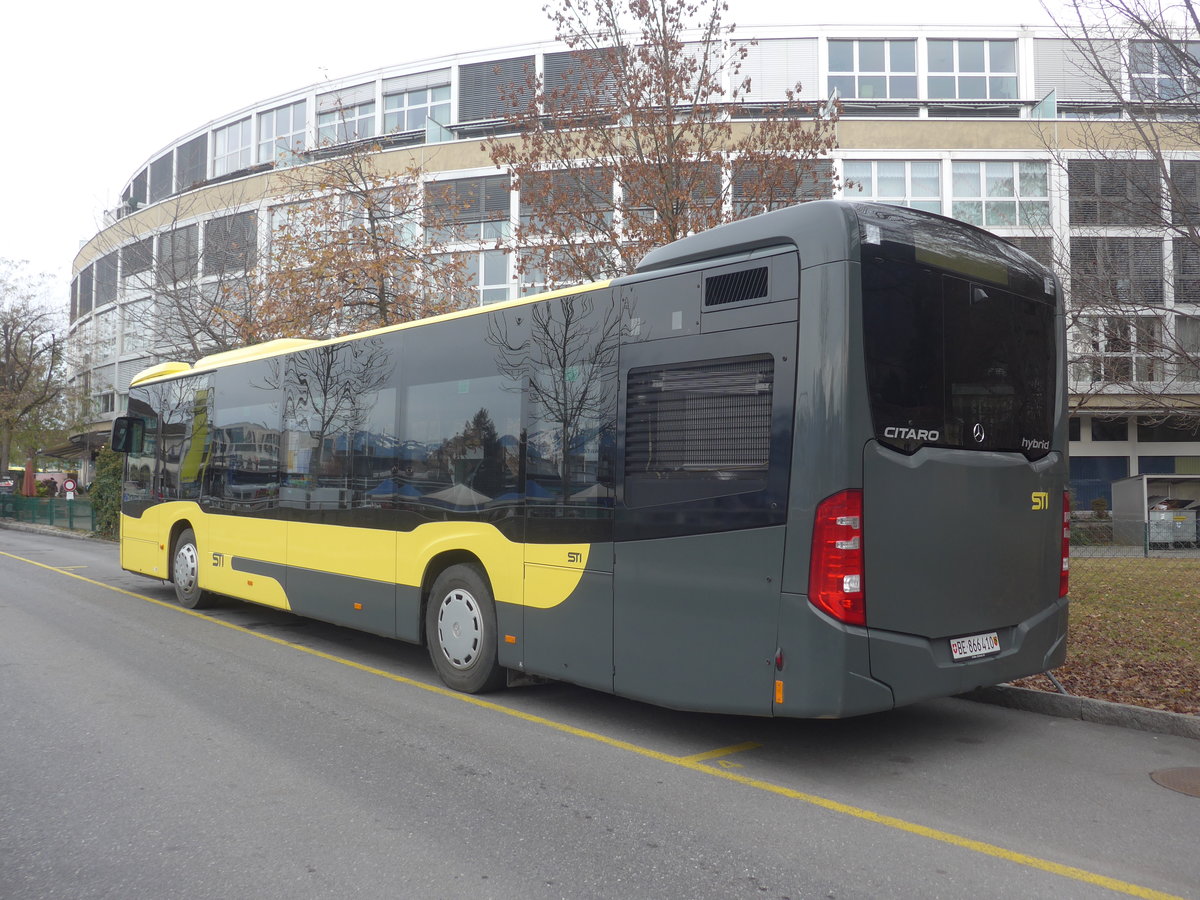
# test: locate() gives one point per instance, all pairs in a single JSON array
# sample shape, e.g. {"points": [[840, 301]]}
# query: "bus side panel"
{"points": [[696, 620], [571, 640], [343, 575], [229, 546], [140, 549]]}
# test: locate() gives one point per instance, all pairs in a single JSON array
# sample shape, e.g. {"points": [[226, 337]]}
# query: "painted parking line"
{"points": [[720, 752], [695, 762]]}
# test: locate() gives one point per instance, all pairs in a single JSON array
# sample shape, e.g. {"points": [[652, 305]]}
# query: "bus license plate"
{"points": [[975, 645]]}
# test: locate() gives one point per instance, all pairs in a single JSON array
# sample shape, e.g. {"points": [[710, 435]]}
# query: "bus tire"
{"points": [[185, 572], [460, 628]]}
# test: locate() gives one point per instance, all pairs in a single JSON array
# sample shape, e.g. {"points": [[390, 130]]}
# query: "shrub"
{"points": [[106, 492]]}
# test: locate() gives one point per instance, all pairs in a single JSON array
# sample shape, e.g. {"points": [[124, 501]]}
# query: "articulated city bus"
{"points": [[811, 463]]}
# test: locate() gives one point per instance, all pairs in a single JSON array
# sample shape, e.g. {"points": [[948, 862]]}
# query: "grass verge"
{"points": [[1135, 633]]}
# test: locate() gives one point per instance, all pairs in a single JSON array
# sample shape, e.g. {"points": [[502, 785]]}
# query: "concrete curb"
{"points": [[1088, 710], [51, 530]]}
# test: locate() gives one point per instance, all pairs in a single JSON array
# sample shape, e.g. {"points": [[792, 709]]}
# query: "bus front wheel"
{"points": [[460, 628], [185, 572]]}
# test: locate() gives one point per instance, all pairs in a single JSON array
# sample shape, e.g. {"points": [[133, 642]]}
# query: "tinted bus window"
{"points": [[243, 471], [958, 354], [339, 446]]}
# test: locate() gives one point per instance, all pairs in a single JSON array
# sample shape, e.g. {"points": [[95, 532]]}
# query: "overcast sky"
{"points": [[91, 91]]}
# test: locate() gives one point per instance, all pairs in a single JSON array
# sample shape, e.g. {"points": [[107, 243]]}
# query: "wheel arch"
{"points": [[177, 529]]}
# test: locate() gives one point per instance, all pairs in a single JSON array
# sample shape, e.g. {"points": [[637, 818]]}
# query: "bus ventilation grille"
{"points": [[735, 287]]}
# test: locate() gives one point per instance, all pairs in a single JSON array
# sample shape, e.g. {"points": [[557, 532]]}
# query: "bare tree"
{"points": [[32, 381], [1132, 168], [356, 245], [647, 135]]}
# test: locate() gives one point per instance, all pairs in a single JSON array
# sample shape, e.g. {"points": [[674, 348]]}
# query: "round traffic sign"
{"points": [[69, 484]]}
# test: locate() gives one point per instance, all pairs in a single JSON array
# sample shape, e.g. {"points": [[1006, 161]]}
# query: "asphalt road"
{"points": [[149, 752]]}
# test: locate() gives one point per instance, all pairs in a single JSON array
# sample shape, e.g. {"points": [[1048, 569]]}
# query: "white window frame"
{"points": [[987, 73], [282, 146], [853, 170], [888, 72], [232, 147], [986, 202]]}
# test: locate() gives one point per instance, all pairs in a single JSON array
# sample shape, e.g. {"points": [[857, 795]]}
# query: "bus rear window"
{"points": [[955, 362]]}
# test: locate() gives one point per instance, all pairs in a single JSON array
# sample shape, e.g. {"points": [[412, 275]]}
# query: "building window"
{"points": [[1110, 429], [487, 272], [1092, 478], [177, 255], [753, 193], [1118, 350], [972, 70], [1117, 270], [426, 110], [873, 70], [1114, 192], [1162, 71], [162, 177], [137, 326], [1175, 429], [229, 243], [1040, 248], [191, 163], [137, 258], [917, 184], [104, 339], [281, 134], [349, 123], [106, 402], [85, 291], [484, 88], [231, 148], [469, 208], [1001, 194], [1187, 348], [106, 279]]}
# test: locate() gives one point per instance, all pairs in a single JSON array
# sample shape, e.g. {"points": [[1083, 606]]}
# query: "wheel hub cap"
{"points": [[460, 628]]}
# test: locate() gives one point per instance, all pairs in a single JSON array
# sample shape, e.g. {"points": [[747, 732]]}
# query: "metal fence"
{"points": [[1131, 558], [74, 514]]}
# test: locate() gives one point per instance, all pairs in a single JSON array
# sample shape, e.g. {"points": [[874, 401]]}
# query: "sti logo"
{"points": [[574, 557], [1041, 500]]}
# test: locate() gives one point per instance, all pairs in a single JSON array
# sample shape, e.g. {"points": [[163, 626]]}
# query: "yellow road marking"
{"points": [[694, 762], [719, 752]]}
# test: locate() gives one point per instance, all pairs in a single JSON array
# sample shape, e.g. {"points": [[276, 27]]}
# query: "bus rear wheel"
{"points": [[460, 628], [185, 572]]}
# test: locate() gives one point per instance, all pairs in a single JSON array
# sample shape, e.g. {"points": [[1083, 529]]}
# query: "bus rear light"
{"points": [[1064, 579], [835, 578]]}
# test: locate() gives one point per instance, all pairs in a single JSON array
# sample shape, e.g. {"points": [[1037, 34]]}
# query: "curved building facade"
{"points": [[988, 125]]}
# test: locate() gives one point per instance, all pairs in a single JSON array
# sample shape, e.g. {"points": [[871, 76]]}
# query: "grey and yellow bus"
{"points": [[811, 463]]}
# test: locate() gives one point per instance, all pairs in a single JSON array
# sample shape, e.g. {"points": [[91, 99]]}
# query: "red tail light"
{"points": [[835, 577], [1064, 580]]}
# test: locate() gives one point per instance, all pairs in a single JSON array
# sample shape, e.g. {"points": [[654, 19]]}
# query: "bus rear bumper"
{"points": [[919, 668], [833, 670]]}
